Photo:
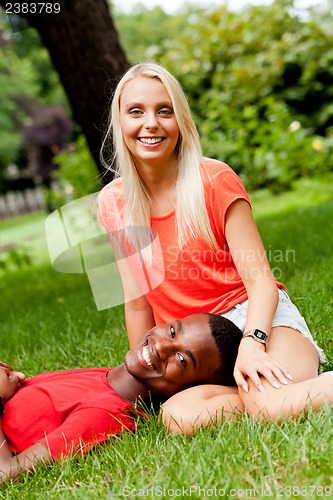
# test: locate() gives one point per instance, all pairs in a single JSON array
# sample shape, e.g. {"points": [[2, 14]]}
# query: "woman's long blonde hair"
{"points": [[191, 212]]}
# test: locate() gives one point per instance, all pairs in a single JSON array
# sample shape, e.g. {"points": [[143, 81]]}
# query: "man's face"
{"points": [[171, 357]]}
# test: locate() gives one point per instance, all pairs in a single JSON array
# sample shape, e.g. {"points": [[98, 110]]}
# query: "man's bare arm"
{"points": [[29, 459]]}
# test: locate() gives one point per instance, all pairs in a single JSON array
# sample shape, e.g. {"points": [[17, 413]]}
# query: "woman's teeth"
{"points": [[151, 140]]}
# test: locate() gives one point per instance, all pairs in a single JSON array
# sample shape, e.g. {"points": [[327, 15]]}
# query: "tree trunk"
{"points": [[84, 47]]}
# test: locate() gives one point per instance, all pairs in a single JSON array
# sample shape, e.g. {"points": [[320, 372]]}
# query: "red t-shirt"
{"points": [[196, 278], [66, 411]]}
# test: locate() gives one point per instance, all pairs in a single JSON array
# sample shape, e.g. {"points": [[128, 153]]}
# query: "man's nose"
{"points": [[165, 348], [21, 376]]}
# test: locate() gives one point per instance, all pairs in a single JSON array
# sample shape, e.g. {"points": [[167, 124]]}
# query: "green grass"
{"points": [[26, 231], [49, 321]]}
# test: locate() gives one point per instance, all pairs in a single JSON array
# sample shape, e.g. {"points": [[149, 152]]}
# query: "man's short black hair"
{"points": [[227, 337]]}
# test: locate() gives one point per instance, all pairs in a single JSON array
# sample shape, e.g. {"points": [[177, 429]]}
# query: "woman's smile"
{"points": [[151, 141]]}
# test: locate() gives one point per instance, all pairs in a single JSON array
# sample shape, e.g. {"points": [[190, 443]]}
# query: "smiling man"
{"points": [[61, 413]]}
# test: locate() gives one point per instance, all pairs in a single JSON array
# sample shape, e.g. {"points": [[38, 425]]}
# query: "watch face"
{"points": [[260, 335]]}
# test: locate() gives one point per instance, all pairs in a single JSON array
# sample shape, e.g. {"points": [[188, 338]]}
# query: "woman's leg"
{"points": [[200, 406], [306, 390], [204, 405]]}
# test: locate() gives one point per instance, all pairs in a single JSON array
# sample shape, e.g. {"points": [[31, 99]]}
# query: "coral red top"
{"points": [[195, 278]]}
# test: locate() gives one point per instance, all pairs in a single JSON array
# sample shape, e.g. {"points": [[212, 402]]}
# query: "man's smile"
{"points": [[146, 358]]}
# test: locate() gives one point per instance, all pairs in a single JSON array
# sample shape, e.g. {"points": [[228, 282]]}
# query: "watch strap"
{"points": [[257, 335]]}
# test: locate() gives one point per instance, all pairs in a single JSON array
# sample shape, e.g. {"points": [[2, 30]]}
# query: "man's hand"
{"points": [[10, 380]]}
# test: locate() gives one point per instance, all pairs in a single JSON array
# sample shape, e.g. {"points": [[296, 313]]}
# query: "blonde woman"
{"points": [[206, 253]]}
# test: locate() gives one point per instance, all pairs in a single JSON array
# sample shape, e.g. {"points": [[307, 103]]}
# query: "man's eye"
{"points": [[182, 359], [172, 332]]}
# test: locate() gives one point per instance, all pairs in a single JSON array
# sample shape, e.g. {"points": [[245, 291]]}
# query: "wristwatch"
{"points": [[257, 335]]}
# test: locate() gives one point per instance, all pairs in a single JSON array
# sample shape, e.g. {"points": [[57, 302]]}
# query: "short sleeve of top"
{"points": [[222, 187], [84, 428], [68, 412], [111, 206]]}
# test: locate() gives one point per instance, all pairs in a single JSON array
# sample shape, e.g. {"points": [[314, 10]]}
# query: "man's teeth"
{"points": [[145, 355], [153, 140]]}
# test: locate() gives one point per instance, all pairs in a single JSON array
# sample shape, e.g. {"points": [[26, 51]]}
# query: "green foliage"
{"points": [[13, 259], [28, 45], [27, 80], [17, 79], [250, 77], [260, 84], [76, 176], [264, 144], [144, 31]]}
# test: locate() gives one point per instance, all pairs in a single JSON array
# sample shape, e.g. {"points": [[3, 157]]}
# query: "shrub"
{"points": [[76, 176]]}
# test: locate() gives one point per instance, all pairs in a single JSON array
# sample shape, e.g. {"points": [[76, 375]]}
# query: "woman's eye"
{"points": [[182, 359], [172, 332], [166, 111], [135, 111]]}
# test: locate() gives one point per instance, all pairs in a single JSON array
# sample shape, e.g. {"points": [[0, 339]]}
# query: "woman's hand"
{"points": [[252, 361], [10, 380]]}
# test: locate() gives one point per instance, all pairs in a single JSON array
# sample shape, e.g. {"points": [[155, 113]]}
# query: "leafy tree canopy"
{"points": [[260, 84], [27, 81]]}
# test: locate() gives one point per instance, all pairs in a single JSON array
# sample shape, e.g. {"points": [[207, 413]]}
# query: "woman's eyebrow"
{"points": [[164, 104], [189, 353], [136, 104], [133, 105]]}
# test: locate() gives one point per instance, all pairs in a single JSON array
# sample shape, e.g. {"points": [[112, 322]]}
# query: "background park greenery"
{"points": [[260, 83]]}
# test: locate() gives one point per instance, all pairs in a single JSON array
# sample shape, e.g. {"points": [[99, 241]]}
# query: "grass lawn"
{"points": [[49, 322]]}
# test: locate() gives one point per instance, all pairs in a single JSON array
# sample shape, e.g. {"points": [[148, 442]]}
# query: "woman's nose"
{"points": [[151, 121]]}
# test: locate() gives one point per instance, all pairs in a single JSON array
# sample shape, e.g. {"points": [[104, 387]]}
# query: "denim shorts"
{"points": [[286, 314]]}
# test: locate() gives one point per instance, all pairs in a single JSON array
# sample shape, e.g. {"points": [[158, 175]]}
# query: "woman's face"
{"points": [[148, 123]]}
